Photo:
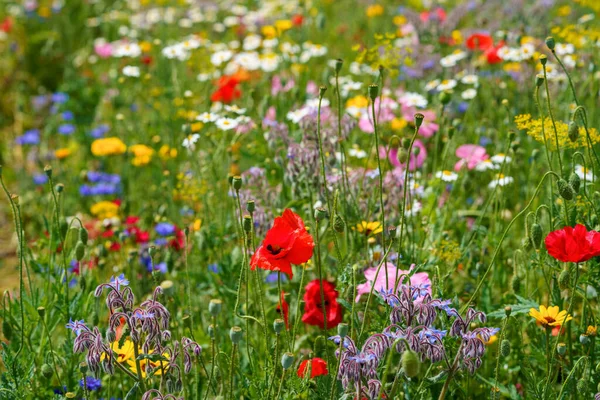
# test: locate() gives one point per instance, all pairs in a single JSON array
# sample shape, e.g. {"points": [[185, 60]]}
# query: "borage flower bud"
{"points": [[235, 334], [338, 65], [561, 349], [48, 171], [419, 121], [550, 43], [47, 371], [278, 325], [373, 91], [236, 182], [41, 312], [214, 307], [410, 363], [573, 131], [287, 360], [250, 206], [565, 189], [342, 330]]}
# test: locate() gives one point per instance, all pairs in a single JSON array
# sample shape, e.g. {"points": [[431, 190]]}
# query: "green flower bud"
{"points": [[7, 330], [79, 251], [582, 386], [47, 371], [419, 120], [83, 368], [526, 244], [278, 325], [214, 307], [250, 206], [543, 59], [338, 223], [573, 131], [287, 360], [406, 143], [561, 349], [515, 284], [402, 155], [236, 334], [565, 190], [584, 339], [322, 90], [410, 363], [338, 65], [416, 151], [445, 97], [41, 312], [507, 311], [83, 235], [60, 187], [575, 182], [505, 348], [550, 43], [536, 235], [564, 279], [342, 330], [373, 91], [236, 182]]}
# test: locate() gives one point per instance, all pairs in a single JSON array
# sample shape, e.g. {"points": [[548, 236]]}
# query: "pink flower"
{"points": [[277, 87], [103, 50], [312, 88], [470, 155], [419, 280], [416, 161]]}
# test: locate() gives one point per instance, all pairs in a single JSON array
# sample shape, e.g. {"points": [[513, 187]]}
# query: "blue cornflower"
{"points": [[40, 179], [66, 129], [165, 229], [31, 136], [214, 268], [67, 115], [60, 97], [99, 131], [91, 383], [161, 267]]}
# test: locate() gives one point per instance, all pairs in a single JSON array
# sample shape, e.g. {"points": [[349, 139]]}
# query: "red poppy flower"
{"points": [[479, 41], [318, 367], [573, 244], [286, 243], [178, 242], [286, 310], [313, 310], [227, 90], [6, 25], [297, 19], [492, 54]]}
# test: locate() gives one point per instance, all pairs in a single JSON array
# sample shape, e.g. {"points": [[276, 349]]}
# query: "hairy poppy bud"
{"points": [[526, 244], [573, 131], [250, 206], [550, 42], [410, 363], [565, 190], [373, 91], [575, 182], [287, 360], [505, 348], [7, 330], [338, 65], [235, 334], [342, 330], [47, 371], [419, 120], [83, 235], [79, 251], [515, 284], [278, 325], [48, 171], [561, 349], [563, 279], [582, 386], [214, 307], [338, 223], [536, 235], [236, 182], [402, 155]]}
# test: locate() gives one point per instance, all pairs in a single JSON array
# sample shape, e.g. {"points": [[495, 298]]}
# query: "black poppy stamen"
{"points": [[274, 249]]}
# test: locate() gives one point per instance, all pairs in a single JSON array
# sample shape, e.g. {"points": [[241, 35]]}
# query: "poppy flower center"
{"points": [[274, 249]]}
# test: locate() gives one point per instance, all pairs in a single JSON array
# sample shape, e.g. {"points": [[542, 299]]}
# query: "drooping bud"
{"points": [[320, 214], [573, 131], [402, 155], [582, 386], [536, 235], [515, 284], [7, 330], [235, 334], [373, 91], [83, 235], [410, 363], [419, 120], [287, 360], [338, 223], [79, 251], [214, 307], [565, 190], [47, 371], [342, 330], [505, 348], [575, 182], [550, 43], [564, 279]]}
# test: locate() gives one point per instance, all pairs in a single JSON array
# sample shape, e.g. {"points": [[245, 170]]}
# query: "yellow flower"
{"points": [[533, 127], [156, 367], [375, 10], [591, 330], [196, 126], [123, 353], [358, 102], [269, 31], [197, 224], [369, 228], [108, 146], [493, 339], [166, 152], [104, 209], [550, 316], [142, 154], [62, 153], [398, 124], [283, 25]]}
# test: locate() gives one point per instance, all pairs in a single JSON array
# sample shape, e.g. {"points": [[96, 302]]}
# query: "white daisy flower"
{"points": [[470, 79], [226, 124], [190, 141], [432, 85], [500, 158], [356, 152], [486, 165], [469, 94], [296, 116], [500, 180], [413, 209], [563, 49], [207, 117], [447, 176], [583, 173], [235, 109], [411, 99], [131, 71], [446, 84], [220, 57]]}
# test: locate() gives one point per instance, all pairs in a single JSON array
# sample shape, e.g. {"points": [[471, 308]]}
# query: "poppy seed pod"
{"points": [[419, 120], [561, 349], [550, 43], [48, 171], [41, 312], [373, 91], [60, 187], [342, 330], [250, 206], [575, 182], [338, 65], [236, 182], [573, 131], [584, 339], [410, 363], [322, 90], [83, 368], [505, 348], [539, 80], [235, 334], [543, 59], [320, 214], [214, 307], [247, 223], [287, 360], [278, 325], [565, 190], [536, 235], [47, 371], [507, 311]]}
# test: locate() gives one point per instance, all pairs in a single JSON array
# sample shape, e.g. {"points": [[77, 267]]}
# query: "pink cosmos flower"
{"points": [[470, 155], [416, 161], [419, 280], [103, 49]]}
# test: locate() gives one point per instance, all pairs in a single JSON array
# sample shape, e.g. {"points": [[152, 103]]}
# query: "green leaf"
{"points": [[522, 307]]}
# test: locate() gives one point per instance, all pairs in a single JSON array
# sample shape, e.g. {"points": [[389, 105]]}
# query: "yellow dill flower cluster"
{"points": [[447, 251], [578, 35], [533, 127], [384, 53]]}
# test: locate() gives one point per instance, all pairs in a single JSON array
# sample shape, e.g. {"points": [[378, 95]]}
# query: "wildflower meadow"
{"points": [[299, 199]]}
